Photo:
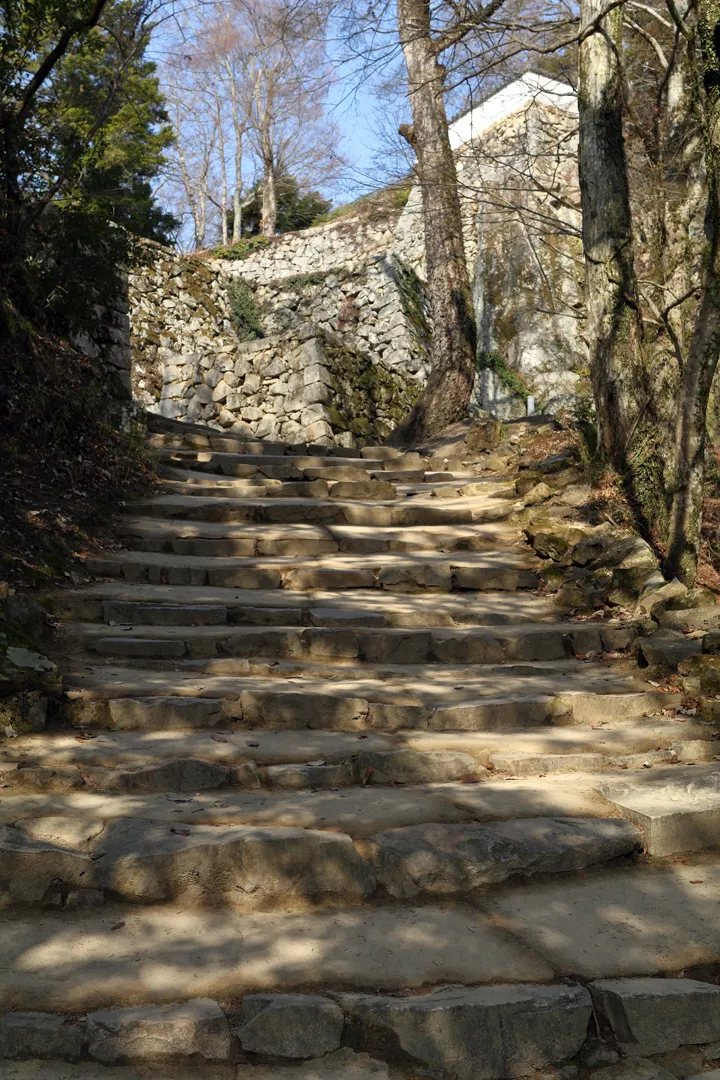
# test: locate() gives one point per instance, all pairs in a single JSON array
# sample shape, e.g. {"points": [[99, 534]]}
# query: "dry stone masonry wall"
{"points": [[379, 307], [303, 386], [343, 356], [342, 244]]}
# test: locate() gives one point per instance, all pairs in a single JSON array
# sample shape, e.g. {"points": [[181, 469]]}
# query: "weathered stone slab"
{"points": [[180, 774], [146, 861], [677, 812], [193, 1028], [416, 767], [646, 920], [289, 1025], [298, 710], [160, 713], [30, 867], [474, 1033], [363, 489], [296, 777], [458, 858], [39, 1035], [649, 1016]]}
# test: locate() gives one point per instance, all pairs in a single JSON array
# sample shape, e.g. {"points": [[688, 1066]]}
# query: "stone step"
{"points": [[286, 484], [143, 861], [677, 809], [395, 572], [276, 511], [501, 700], [263, 474], [75, 961], [238, 464], [69, 818], [225, 538], [333, 639], [408, 756], [254, 760], [190, 605], [166, 433]]}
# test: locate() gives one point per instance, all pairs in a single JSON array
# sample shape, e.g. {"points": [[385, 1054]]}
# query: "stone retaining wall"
{"points": [[365, 328], [177, 308], [379, 306], [346, 244], [301, 386]]}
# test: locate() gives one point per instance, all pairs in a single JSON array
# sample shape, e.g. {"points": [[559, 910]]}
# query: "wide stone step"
{"points": [[239, 464], [70, 818], [74, 961], [223, 538], [341, 511], [285, 482], [192, 606], [134, 699], [394, 572], [295, 760], [32, 762], [166, 433], [142, 861], [334, 638]]}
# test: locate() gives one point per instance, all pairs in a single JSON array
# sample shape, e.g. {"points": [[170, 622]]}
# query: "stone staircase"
{"points": [[336, 795]]}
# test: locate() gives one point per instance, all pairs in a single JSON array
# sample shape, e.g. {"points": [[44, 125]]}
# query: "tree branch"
{"points": [[55, 55]]}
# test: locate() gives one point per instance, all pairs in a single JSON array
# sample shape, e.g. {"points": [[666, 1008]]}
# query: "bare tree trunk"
{"points": [[223, 174], [264, 81], [688, 471], [449, 386], [239, 130], [613, 323], [269, 187], [237, 213]]}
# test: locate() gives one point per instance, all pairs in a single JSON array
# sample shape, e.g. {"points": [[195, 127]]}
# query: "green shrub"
{"points": [[244, 314], [247, 246], [511, 380]]}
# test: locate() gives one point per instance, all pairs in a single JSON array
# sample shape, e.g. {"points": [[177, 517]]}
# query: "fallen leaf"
{"points": [[368, 773], [251, 742], [218, 738], [117, 925]]}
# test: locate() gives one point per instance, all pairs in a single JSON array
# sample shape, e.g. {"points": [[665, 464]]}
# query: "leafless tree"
{"points": [[258, 68], [614, 326]]}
